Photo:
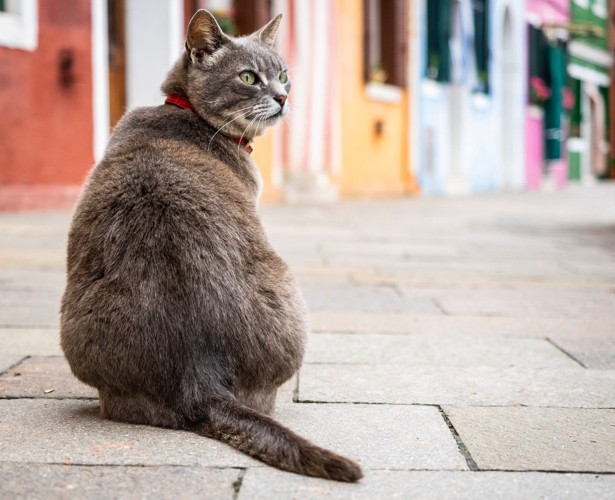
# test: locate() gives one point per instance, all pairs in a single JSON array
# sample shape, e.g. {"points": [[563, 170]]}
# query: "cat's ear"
{"points": [[204, 36], [267, 33]]}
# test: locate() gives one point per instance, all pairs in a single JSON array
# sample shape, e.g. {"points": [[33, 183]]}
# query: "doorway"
{"points": [[117, 60]]}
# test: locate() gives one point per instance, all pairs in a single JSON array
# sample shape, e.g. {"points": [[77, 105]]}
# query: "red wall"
{"points": [[46, 127]]}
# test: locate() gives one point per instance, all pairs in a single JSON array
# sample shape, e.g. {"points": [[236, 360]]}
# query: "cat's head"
{"points": [[237, 84]]}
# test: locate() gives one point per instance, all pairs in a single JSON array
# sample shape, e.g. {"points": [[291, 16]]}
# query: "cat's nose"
{"points": [[280, 99]]}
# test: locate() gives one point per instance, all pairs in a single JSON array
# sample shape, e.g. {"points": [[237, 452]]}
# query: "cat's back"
{"points": [[160, 152], [158, 166], [158, 189]]}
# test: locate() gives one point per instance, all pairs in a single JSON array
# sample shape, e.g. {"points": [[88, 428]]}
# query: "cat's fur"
{"points": [[176, 308]]}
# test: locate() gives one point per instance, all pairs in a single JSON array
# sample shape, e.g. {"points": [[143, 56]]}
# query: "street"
{"points": [[461, 348]]}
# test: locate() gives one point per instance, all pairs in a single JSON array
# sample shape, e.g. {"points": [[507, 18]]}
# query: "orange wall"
{"points": [[262, 155], [371, 165], [46, 129]]}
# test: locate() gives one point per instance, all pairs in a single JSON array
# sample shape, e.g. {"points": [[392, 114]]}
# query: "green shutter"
{"points": [[554, 105], [438, 36], [480, 10], [576, 115]]}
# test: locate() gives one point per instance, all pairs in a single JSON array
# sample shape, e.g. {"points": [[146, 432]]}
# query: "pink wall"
{"points": [[534, 151], [550, 11], [547, 11]]}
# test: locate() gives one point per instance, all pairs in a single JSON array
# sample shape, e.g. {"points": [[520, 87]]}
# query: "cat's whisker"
{"points": [[289, 119], [242, 109], [244, 132], [258, 125], [227, 123]]}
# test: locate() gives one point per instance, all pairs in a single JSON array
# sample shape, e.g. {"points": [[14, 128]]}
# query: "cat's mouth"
{"points": [[281, 113], [275, 116]]}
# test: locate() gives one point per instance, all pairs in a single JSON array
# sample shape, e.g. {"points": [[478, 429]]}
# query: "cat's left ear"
{"points": [[267, 33], [204, 35]]}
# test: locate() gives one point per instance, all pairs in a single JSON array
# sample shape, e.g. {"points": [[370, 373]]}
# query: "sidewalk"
{"points": [[462, 348]]}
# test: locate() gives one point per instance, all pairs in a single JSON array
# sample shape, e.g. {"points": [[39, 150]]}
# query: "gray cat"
{"points": [[176, 308]]}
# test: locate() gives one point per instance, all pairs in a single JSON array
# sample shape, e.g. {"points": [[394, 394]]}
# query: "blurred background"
{"points": [[390, 97]]}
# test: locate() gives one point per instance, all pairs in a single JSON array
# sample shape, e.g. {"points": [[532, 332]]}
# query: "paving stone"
{"points": [[378, 436], [545, 264], [104, 482], [30, 342], [424, 275], [365, 299], [428, 485], [524, 302], [40, 296], [25, 223], [595, 353], [286, 392], [32, 259], [32, 278], [361, 322], [8, 360], [387, 249], [50, 377], [480, 267], [546, 439], [43, 377], [71, 431], [587, 268], [38, 316], [435, 350], [322, 276], [571, 387]]}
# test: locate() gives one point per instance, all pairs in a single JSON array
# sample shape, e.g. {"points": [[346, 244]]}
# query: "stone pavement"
{"points": [[462, 348]]}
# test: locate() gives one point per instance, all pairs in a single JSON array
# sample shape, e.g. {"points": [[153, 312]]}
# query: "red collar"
{"points": [[184, 102]]}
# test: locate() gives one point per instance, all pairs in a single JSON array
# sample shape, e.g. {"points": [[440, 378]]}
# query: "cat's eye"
{"points": [[248, 77], [283, 77]]}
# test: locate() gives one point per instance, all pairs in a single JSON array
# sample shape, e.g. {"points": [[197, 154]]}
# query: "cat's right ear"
{"points": [[204, 36]]}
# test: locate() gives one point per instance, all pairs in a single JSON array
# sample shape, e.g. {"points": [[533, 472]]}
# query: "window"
{"points": [[452, 27], [547, 85], [438, 35], [538, 91], [557, 80], [235, 17], [19, 24], [480, 11], [385, 41]]}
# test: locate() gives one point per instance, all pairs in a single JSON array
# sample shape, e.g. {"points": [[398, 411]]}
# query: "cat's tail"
{"points": [[266, 440]]}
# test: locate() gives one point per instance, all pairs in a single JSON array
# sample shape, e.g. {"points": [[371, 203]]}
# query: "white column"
{"points": [[100, 76], [414, 66], [154, 41]]}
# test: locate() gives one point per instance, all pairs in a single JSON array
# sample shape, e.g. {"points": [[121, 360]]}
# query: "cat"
{"points": [[176, 308]]}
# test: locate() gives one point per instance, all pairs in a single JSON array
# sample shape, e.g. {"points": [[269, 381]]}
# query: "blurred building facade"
{"points": [[46, 101], [390, 97], [470, 91], [589, 70]]}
